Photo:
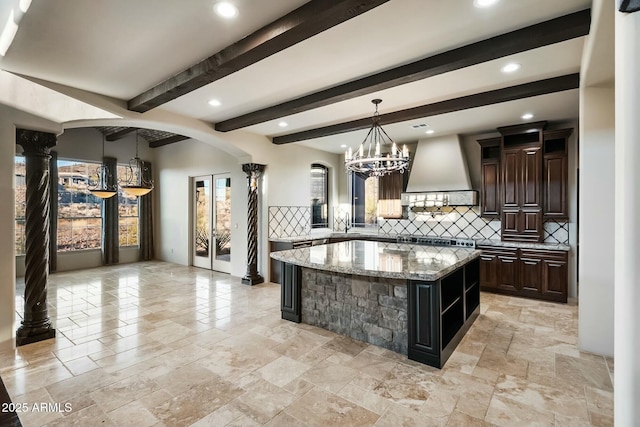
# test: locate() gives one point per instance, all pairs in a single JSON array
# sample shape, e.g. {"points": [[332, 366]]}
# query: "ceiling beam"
{"points": [[629, 6], [540, 87], [120, 134], [546, 33], [166, 141], [308, 20]]}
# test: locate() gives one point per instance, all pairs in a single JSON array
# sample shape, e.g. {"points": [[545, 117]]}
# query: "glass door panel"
{"points": [[222, 220], [202, 222]]}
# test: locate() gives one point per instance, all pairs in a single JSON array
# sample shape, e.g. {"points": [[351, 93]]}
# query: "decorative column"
{"points": [[253, 171], [36, 325]]}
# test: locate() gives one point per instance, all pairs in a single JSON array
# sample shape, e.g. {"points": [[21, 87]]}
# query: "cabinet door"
{"points": [[555, 280], [508, 273], [530, 225], [489, 271], [555, 186], [510, 178], [531, 168], [531, 276], [510, 223], [490, 188]]}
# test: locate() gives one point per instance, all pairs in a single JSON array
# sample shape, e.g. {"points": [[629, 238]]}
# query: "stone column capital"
{"points": [[35, 142], [253, 168]]}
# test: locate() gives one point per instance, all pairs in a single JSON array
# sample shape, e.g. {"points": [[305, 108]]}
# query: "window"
{"points": [[374, 197], [21, 201], [127, 214], [79, 211], [319, 196]]}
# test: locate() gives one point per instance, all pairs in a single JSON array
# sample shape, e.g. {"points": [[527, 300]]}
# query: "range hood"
{"points": [[439, 175]]}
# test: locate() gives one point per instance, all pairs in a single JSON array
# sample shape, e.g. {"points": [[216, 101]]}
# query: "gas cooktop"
{"points": [[437, 241]]}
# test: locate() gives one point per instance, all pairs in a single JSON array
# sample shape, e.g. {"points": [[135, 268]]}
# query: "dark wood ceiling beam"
{"points": [[167, 141], [308, 20], [546, 33], [527, 90], [629, 6], [120, 134]]}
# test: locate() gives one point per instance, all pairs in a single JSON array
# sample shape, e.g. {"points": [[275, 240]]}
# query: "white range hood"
{"points": [[439, 175]]}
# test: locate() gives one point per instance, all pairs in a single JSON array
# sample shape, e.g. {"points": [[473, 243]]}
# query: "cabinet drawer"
{"points": [[498, 251], [543, 254]]}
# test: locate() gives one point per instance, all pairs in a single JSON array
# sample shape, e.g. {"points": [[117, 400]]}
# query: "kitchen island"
{"points": [[412, 299]]}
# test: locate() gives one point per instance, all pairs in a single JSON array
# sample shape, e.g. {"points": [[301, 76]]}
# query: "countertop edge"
{"points": [[479, 242], [428, 277]]}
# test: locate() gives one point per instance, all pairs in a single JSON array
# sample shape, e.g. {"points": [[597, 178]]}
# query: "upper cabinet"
{"points": [[522, 182], [525, 179], [490, 201], [555, 173]]}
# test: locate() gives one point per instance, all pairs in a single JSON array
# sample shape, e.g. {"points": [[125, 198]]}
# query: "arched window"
{"points": [[319, 196]]}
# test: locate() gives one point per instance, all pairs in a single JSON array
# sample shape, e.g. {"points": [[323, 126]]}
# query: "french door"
{"points": [[212, 222]]}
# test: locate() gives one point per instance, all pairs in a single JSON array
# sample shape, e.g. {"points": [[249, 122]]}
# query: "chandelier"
{"points": [[375, 163], [102, 187], [135, 181]]}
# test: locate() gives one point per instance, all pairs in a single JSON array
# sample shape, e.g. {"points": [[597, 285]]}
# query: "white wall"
{"points": [[597, 206], [9, 120], [176, 164], [627, 233], [286, 181]]}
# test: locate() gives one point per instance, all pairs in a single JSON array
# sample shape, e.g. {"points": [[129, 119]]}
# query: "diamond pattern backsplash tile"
{"points": [[289, 221], [461, 222], [341, 219], [556, 232]]}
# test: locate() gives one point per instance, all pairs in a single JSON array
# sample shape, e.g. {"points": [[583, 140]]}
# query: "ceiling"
{"points": [[121, 49]]}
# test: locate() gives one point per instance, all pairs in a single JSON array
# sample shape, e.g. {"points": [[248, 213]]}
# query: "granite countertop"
{"points": [[381, 259], [365, 235]]}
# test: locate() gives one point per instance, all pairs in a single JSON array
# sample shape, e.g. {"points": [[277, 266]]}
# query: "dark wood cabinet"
{"points": [[440, 313], [525, 179], [508, 266], [530, 277], [556, 173], [490, 202], [532, 273], [521, 160], [498, 268]]}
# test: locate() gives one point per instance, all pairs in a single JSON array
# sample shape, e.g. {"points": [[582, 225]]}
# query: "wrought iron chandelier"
{"points": [[102, 188], [376, 163], [135, 182]]}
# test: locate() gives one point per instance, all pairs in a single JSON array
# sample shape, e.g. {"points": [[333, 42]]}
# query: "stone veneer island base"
{"points": [[414, 300]]}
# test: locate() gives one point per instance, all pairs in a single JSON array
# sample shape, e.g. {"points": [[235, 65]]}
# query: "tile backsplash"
{"points": [[289, 221], [461, 222]]}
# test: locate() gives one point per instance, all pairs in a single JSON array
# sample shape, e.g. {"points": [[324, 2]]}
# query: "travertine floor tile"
{"points": [[158, 344], [322, 408]]}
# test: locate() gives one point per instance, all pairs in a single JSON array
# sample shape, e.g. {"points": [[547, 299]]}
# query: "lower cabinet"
{"points": [[532, 273], [441, 312]]}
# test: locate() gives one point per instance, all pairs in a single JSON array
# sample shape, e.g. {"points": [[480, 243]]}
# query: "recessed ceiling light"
{"points": [[225, 9], [510, 67], [283, 124], [429, 132], [343, 146], [484, 3], [215, 103], [527, 116]]}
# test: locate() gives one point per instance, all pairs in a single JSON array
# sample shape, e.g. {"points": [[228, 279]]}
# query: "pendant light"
{"points": [[134, 182], [102, 188]]}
